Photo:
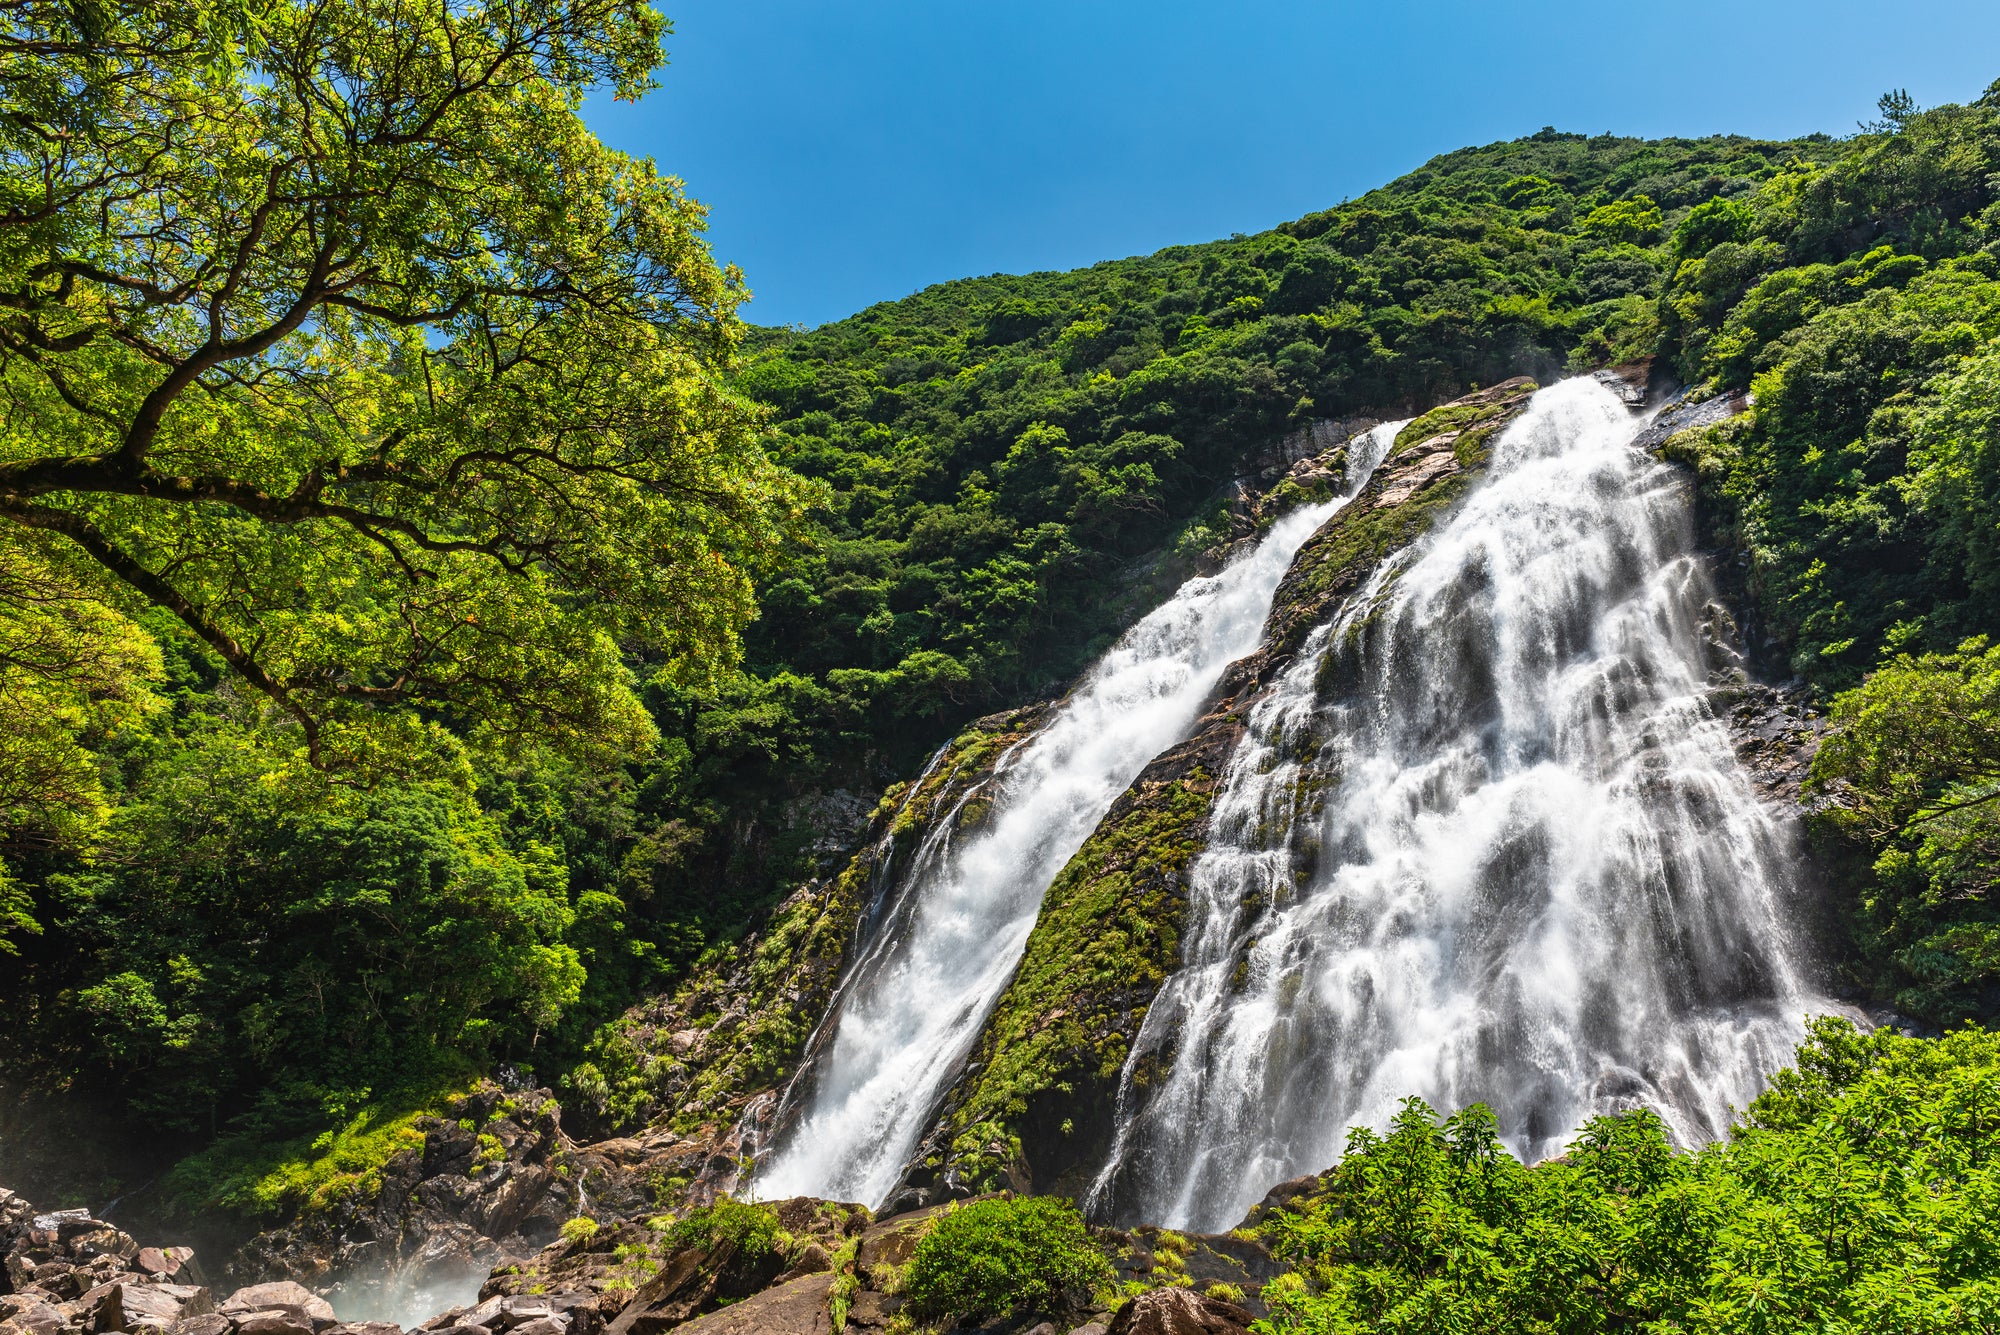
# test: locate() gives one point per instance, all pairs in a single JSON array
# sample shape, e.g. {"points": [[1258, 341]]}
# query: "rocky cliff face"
{"points": [[1034, 1108]]}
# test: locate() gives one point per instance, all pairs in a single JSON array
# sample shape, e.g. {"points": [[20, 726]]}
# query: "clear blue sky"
{"points": [[856, 152]]}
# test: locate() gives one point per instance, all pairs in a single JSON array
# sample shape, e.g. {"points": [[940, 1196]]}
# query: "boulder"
{"points": [[131, 1305], [53, 1221], [282, 1293], [58, 1277], [1178, 1312], [274, 1321], [795, 1308], [811, 1261], [486, 1314], [30, 1315], [97, 1307], [526, 1309], [87, 1239], [165, 1262], [366, 1328], [541, 1325], [212, 1324]]}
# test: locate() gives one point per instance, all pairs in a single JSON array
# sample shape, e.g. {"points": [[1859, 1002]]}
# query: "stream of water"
{"points": [[1483, 842], [914, 998]]}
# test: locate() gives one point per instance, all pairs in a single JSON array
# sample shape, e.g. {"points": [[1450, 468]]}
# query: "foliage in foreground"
{"points": [[1855, 1198], [998, 1256], [1912, 768]]}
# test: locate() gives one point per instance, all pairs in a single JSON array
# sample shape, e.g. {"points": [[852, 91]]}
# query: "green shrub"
{"points": [[580, 1229], [751, 1229], [993, 1257]]}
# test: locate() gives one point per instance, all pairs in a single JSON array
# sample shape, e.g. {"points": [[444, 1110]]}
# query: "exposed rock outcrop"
{"points": [[491, 1182], [1178, 1312], [66, 1273]]}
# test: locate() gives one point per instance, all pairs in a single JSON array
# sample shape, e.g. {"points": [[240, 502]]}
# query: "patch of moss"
{"points": [[261, 1180], [1476, 418], [1108, 935], [1336, 560]]}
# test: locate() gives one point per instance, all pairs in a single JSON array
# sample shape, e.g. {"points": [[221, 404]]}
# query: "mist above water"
{"points": [[918, 991], [1483, 842], [407, 1297]]}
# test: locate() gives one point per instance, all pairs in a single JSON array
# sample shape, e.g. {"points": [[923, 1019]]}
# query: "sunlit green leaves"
{"points": [[1855, 1197], [337, 335]]}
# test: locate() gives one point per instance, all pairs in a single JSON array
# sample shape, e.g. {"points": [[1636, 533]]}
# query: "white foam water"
{"points": [[1484, 841], [914, 998]]}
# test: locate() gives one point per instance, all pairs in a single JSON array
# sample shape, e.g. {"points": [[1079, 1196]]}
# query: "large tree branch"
{"points": [[115, 475], [216, 350], [127, 568]]}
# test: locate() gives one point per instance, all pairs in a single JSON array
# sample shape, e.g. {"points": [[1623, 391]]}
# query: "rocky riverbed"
{"points": [[723, 1270]]}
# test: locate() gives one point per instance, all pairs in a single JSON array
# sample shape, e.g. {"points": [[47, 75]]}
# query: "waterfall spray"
{"points": [[916, 994], [1483, 842]]}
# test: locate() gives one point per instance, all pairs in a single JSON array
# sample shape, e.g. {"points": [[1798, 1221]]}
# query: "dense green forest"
{"points": [[431, 620]]}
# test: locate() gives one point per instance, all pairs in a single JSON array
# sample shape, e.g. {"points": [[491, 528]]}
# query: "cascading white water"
{"points": [[914, 999], [1483, 842]]}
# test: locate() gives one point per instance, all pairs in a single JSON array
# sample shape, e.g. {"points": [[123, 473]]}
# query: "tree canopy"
{"points": [[327, 328]]}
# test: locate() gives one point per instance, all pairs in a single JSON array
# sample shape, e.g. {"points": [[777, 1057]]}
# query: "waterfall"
{"points": [[1482, 842], [915, 996]]}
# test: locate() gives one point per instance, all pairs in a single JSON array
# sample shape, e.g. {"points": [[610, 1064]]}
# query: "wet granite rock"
{"points": [[1179, 1312]]}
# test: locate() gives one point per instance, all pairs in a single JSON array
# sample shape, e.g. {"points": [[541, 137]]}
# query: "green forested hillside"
{"points": [[432, 629], [999, 450]]}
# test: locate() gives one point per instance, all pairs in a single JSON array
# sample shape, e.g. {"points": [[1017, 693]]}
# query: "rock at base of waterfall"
{"points": [[795, 1308], [283, 1294], [131, 1306], [274, 1321], [215, 1324], [1179, 1312]]}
